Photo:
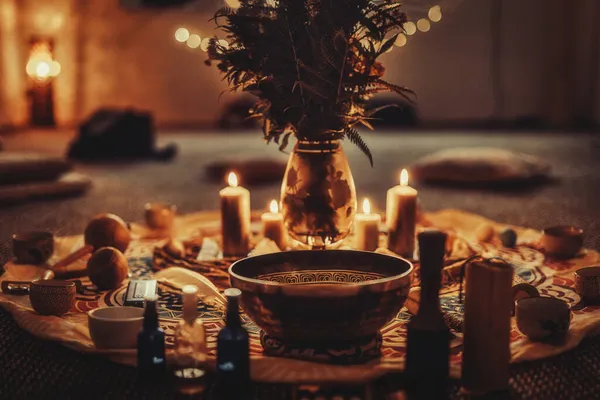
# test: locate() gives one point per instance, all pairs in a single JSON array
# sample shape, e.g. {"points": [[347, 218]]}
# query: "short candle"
{"points": [[273, 228], [235, 218], [366, 229], [401, 217]]}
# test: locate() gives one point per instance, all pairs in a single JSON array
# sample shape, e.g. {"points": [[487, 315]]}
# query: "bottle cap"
{"points": [[233, 292], [151, 298], [190, 290], [190, 302]]}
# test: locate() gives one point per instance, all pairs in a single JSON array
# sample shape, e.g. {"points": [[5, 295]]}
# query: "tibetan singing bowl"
{"points": [[322, 296]]}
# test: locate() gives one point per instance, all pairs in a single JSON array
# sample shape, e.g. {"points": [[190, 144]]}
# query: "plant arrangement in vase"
{"points": [[313, 64]]}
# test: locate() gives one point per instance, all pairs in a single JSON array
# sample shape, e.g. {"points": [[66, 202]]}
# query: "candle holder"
{"points": [[562, 241], [160, 215]]}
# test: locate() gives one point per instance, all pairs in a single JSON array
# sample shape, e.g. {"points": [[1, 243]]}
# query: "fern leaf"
{"points": [[357, 140]]}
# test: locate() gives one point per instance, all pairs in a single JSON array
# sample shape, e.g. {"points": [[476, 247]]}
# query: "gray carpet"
{"points": [[124, 188]]}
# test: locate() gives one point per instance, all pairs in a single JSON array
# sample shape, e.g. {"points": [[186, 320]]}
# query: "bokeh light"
{"points": [[194, 41], [224, 43], [435, 13], [233, 3], [182, 35], [205, 43], [424, 25], [55, 68], [401, 40], [42, 70], [410, 28]]}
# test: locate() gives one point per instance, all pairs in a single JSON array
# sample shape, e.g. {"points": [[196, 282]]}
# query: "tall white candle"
{"points": [[235, 218], [401, 217], [366, 229], [273, 227]]}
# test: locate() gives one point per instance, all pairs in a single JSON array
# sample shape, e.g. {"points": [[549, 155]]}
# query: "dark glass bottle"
{"points": [[233, 354], [152, 363], [428, 336]]}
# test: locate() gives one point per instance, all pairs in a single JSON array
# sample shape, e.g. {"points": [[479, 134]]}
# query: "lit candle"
{"points": [[401, 217], [272, 223], [366, 231], [235, 218]]}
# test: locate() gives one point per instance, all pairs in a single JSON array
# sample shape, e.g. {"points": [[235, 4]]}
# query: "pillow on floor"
{"points": [[479, 165]]}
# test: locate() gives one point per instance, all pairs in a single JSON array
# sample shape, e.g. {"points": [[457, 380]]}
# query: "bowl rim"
{"points": [[563, 231], [371, 282], [28, 236], [560, 304], [92, 315], [594, 272]]}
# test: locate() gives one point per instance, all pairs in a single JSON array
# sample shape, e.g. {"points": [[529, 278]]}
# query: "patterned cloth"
{"points": [[551, 277]]}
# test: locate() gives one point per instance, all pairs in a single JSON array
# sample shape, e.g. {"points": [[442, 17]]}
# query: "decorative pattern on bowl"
{"points": [[316, 276]]}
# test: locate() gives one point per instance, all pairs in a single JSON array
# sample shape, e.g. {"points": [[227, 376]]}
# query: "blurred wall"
{"points": [[114, 57], [12, 84]]}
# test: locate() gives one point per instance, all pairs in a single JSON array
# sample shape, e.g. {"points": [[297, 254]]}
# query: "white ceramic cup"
{"points": [[115, 327]]}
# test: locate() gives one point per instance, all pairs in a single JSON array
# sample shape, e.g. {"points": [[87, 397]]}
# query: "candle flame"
{"points": [[232, 179], [274, 207], [404, 178], [366, 206]]}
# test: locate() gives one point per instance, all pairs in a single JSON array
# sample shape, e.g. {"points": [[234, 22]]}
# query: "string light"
{"points": [[224, 43], [424, 25], [194, 41], [182, 35], [435, 13], [205, 44], [233, 3], [410, 28], [400, 40]]}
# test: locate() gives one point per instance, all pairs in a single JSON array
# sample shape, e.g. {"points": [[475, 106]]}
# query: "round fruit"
{"points": [[107, 230], [107, 268]]}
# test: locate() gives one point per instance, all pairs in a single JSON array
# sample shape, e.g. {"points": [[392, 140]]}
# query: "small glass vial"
{"points": [[152, 363], [233, 354], [190, 346]]}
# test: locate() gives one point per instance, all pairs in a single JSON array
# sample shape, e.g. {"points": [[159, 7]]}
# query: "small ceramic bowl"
{"points": [[543, 319], [159, 215], [115, 327], [562, 241], [587, 284], [52, 297], [33, 247]]}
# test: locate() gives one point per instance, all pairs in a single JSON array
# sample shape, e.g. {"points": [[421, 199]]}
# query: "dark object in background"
{"points": [[236, 113], [480, 166], [111, 134], [19, 168], [33, 247], [405, 114], [250, 172]]}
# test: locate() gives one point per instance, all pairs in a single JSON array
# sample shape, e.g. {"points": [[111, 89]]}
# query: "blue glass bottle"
{"points": [[152, 363], [233, 354]]}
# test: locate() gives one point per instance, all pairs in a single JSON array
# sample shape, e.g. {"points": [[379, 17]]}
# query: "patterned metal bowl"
{"points": [[324, 296]]}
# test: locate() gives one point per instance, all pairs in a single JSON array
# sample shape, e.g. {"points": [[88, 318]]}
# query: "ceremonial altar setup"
{"points": [[322, 287]]}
